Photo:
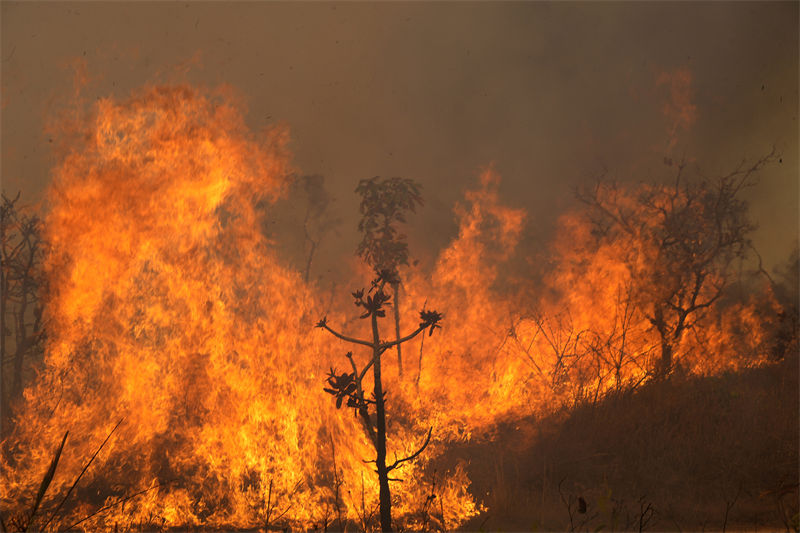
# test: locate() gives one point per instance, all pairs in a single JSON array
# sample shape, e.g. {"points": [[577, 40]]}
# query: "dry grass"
{"points": [[687, 454]]}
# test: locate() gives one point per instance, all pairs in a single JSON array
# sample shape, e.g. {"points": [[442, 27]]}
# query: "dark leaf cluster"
{"points": [[430, 319], [384, 203], [344, 388], [341, 386], [385, 276], [372, 304]]}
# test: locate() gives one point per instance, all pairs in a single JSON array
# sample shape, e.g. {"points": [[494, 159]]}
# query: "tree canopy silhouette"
{"points": [[384, 204]]}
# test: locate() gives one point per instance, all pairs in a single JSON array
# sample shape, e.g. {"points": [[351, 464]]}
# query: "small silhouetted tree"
{"points": [[688, 237], [786, 288], [348, 387], [384, 204], [301, 221], [21, 251], [317, 221]]}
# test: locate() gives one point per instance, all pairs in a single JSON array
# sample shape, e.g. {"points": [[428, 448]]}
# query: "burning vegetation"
{"points": [[167, 372]]}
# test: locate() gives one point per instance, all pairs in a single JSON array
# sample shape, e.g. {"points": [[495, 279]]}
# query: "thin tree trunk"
{"points": [[396, 287], [666, 359], [22, 345], [419, 361], [3, 297], [385, 497], [310, 258]]}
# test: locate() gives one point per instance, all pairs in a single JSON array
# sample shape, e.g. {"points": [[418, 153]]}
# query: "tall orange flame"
{"points": [[170, 309]]}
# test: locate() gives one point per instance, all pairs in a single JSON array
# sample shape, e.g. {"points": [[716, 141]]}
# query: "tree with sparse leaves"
{"points": [[348, 387], [679, 244], [317, 220], [384, 204], [21, 281]]}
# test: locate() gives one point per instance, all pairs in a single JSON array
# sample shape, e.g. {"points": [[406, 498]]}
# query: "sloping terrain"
{"points": [[690, 453]]}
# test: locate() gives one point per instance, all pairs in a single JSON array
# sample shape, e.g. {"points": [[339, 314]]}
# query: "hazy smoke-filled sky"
{"points": [[551, 94]]}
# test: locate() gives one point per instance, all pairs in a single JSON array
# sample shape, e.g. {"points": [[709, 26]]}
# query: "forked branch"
{"points": [[324, 325], [413, 456]]}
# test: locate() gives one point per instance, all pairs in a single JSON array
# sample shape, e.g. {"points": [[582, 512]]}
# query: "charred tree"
{"points": [[384, 204], [679, 244], [301, 221], [317, 221], [348, 388], [21, 251]]}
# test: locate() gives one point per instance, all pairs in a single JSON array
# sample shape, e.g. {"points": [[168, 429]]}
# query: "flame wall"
{"points": [[170, 310]]}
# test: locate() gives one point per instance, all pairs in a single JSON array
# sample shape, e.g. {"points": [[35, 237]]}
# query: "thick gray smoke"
{"points": [[552, 94]]}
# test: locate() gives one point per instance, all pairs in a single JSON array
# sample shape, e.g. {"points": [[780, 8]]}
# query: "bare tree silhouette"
{"points": [[688, 236], [21, 251], [348, 387]]}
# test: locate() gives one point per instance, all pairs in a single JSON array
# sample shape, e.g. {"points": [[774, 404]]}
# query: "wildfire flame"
{"points": [[169, 309]]}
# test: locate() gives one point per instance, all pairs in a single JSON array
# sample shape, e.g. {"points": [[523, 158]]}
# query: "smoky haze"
{"points": [[552, 95]]}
